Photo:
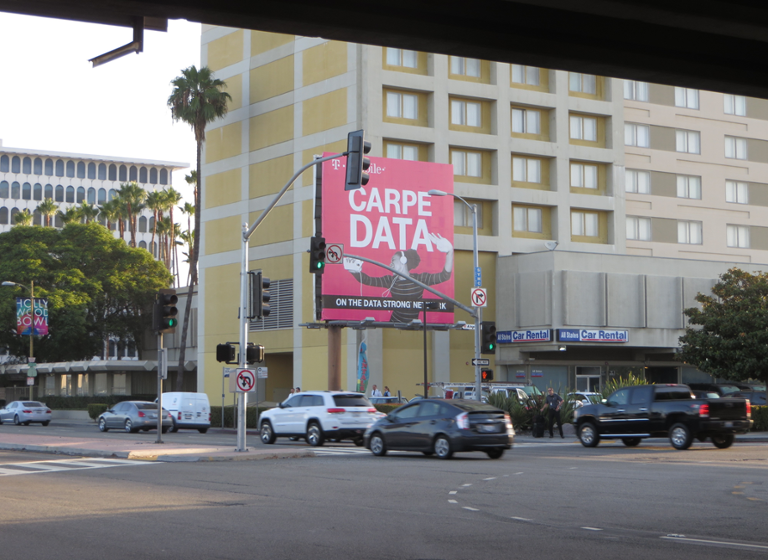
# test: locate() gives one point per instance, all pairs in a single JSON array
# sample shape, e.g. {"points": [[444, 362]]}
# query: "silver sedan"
{"points": [[132, 416], [25, 412]]}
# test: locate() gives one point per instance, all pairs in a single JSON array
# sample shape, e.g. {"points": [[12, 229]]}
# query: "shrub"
{"points": [[251, 416], [386, 408], [95, 409], [760, 417], [81, 403]]}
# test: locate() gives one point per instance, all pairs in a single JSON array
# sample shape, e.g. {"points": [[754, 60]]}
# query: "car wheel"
{"points": [[680, 436], [378, 447], [314, 435], [631, 441], [723, 441], [103, 425], [46, 422], [267, 435], [129, 426], [203, 430], [588, 435], [16, 420], [358, 441], [443, 447], [495, 453], [174, 426]]}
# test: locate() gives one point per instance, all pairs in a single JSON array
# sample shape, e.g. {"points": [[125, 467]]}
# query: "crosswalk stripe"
{"points": [[38, 467]]}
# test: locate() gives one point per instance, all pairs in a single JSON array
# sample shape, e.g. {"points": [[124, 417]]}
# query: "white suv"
{"points": [[319, 415]]}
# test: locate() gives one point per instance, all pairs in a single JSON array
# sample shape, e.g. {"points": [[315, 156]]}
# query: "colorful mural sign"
{"points": [[31, 320]]}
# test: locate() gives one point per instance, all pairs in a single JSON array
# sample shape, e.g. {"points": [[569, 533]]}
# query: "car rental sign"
{"points": [[592, 335], [392, 220], [534, 335]]}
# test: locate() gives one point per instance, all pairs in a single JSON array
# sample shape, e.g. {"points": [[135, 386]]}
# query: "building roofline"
{"points": [[114, 159]]}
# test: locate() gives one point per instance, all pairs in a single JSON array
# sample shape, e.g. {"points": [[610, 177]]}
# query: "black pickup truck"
{"points": [[643, 411]]}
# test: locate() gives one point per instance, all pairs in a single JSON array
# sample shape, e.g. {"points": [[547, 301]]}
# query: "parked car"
{"points": [[318, 416], [133, 416], [25, 412], [189, 411], [582, 398], [756, 398], [722, 389], [388, 400], [699, 394], [442, 427]]}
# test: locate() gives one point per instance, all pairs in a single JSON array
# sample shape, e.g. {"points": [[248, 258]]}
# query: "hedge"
{"points": [[81, 403], [760, 416]]}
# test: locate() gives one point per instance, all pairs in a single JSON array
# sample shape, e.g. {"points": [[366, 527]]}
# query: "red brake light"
{"points": [[141, 414], [704, 410], [462, 421], [372, 409], [48, 411], [336, 410], [749, 409], [27, 411], [209, 417], [179, 416]]}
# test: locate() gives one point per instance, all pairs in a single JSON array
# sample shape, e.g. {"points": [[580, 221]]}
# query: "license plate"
{"points": [[487, 428], [729, 424]]}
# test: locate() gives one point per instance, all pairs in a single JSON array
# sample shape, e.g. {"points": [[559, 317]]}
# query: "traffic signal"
{"points": [[488, 337], [317, 255], [164, 312], [487, 374], [225, 353], [357, 163], [260, 296], [254, 353]]}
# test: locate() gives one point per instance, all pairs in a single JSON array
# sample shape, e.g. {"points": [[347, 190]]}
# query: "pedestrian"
{"points": [[386, 391], [298, 390], [291, 392], [552, 405], [375, 392]]}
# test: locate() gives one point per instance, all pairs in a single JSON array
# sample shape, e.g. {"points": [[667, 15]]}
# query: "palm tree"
{"points": [[88, 212], [173, 197], [23, 218], [188, 238], [133, 196], [196, 99], [71, 216], [110, 212], [154, 202], [47, 209]]}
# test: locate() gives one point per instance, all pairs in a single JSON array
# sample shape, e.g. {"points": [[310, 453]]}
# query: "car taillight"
{"points": [[462, 421], [48, 411], [749, 409], [141, 414], [336, 410], [372, 409], [508, 422], [179, 416], [209, 417], [27, 411], [704, 410]]}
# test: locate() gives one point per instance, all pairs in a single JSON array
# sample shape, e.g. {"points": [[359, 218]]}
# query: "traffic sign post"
{"points": [[261, 372], [479, 297], [244, 380], [334, 253]]}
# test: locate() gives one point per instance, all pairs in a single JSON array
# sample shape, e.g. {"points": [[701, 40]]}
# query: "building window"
{"points": [[122, 173], [526, 121], [635, 91], [3, 189], [466, 113], [15, 190], [584, 224], [26, 191], [153, 175], [102, 196], [689, 233], [688, 186], [465, 66], [737, 236], [583, 176], [402, 57], [735, 148], [736, 191], [686, 97], [467, 163], [102, 171], [280, 305], [49, 167], [59, 168], [70, 168], [112, 172], [4, 164], [38, 166], [526, 170], [143, 175], [526, 219], [402, 151], [133, 173], [638, 229], [38, 192], [16, 164], [399, 106], [59, 193], [637, 135], [91, 170], [163, 176], [143, 224], [583, 128], [80, 194], [49, 191], [735, 105], [462, 215], [91, 195], [70, 194], [583, 83], [528, 75], [688, 141], [4, 215], [637, 181], [81, 170], [26, 166]]}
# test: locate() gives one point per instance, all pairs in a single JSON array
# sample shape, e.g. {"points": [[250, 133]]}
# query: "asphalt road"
{"points": [[548, 500]]}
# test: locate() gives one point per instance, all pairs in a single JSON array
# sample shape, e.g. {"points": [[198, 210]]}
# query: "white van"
{"points": [[188, 411]]}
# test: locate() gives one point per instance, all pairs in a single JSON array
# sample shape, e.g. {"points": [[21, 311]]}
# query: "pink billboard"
{"points": [[392, 220]]}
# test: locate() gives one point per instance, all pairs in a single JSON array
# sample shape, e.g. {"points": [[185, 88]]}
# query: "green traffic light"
{"points": [[320, 265]]}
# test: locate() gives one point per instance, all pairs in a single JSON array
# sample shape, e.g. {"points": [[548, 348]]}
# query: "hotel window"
{"points": [[688, 186], [735, 105], [686, 97], [736, 191], [583, 128], [583, 176], [402, 151], [687, 141], [466, 113], [527, 219], [528, 75], [465, 163], [638, 229], [402, 105], [583, 83], [637, 135], [465, 66], [737, 236], [462, 215], [402, 57], [735, 148], [689, 233], [635, 91], [584, 224], [526, 170], [526, 121], [637, 181]]}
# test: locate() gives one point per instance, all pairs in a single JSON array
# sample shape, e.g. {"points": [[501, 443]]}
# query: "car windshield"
{"points": [[146, 406], [728, 389], [33, 404], [351, 400]]}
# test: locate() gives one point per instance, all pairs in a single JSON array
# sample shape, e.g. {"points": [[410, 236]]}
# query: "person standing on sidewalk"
{"points": [[552, 404]]}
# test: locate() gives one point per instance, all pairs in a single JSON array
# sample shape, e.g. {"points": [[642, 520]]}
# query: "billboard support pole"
{"points": [[334, 358]]}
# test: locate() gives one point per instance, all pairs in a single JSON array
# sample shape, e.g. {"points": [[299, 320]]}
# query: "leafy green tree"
{"points": [[728, 335], [47, 209], [70, 216], [197, 99], [96, 286], [88, 212]]}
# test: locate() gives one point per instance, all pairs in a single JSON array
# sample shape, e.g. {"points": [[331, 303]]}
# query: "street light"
{"points": [[31, 289], [478, 310]]}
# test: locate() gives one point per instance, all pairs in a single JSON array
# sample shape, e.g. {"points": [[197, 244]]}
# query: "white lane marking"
{"points": [[470, 484], [490, 478], [453, 491], [506, 475], [452, 502], [591, 529], [471, 508], [707, 541], [39, 467], [521, 518], [518, 473], [574, 468]]}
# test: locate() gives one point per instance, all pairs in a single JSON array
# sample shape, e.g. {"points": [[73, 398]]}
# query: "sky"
{"points": [[51, 98]]}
